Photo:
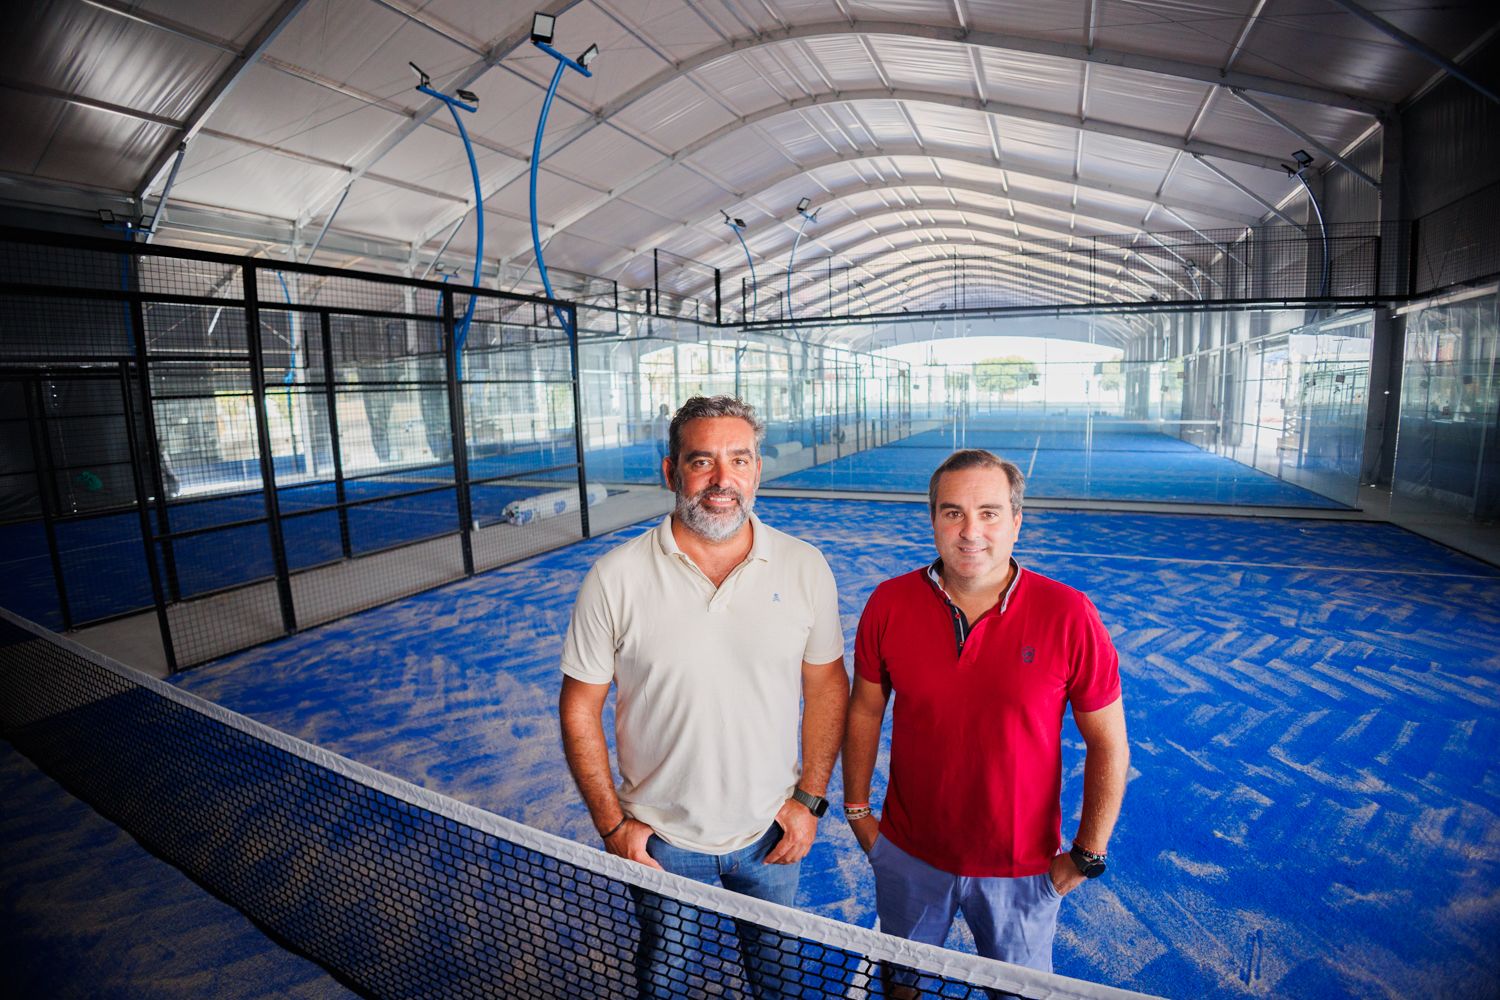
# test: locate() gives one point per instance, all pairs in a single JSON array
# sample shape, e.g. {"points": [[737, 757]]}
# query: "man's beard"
{"points": [[713, 524]]}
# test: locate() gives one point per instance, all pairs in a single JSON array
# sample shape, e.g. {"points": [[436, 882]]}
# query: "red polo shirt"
{"points": [[976, 745]]}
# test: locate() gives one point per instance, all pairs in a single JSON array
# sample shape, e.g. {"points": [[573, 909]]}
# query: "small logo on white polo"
{"points": [[776, 598]]}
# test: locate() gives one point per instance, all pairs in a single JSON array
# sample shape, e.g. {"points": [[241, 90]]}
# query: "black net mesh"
{"points": [[403, 893]]}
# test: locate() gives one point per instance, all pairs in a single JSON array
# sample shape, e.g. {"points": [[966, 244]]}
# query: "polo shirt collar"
{"points": [[760, 540], [935, 575]]}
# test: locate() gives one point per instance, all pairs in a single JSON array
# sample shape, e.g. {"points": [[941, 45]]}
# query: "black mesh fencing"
{"points": [[400, 892], [251, 464]]}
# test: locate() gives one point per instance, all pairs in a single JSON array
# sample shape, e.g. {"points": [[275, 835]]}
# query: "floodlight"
{"points": [[1302, 158], [147, 221], [423, 80], [106, 216], [542, 26], [468, 95], [589, 54], [804, 204]]}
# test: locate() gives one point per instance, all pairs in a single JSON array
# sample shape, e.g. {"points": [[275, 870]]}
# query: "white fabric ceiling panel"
{"points": [[623, 60], [240, 178], [793, 131], [614, 222], [603, 155], [887, 125], [955, 128], [1194, 182], [390, 212], [926, 65], [235, 21], [739, 83], [366, 46], [673, 25], [675, 115], [922, 11], [556, 196], [279, 110], [787, 73], [1047, 146], [24, 148], [844, 61], [973, 173], [1234, 123], [1055, 20], [1315, 37], [1106, 204], [96, 148], [1024, 184], [436, 159], [97, 54], [1201, 31], [511, 120], [1149, 100], [692, 195], [1125, 161], [741, 159], [1032, 81]]}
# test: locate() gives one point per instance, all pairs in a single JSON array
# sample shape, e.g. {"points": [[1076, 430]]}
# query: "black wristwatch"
{"points": [[1091, 865], [816, 804]]}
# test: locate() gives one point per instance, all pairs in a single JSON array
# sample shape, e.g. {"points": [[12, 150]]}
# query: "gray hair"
{"points": [[978, 458], [712, 406]]}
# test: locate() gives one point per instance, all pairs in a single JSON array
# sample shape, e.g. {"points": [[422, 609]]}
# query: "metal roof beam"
{"points": [[1161, 139], [1430, 54], [973, 159], [1305, 136], [219, 90], [1226, 178]]}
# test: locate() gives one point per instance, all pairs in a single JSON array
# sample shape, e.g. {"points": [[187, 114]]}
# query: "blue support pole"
{"points": [[563, 63], [791, 260], [461, 334], [1301, 176], [754, 282]]}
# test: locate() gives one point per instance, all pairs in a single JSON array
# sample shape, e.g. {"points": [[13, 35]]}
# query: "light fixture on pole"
{"points": [[738, 225], [466, 101], [1304, 160], [802, 210], [541, 36]]}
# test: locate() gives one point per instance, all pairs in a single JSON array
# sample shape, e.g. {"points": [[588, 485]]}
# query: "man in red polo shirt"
{"points": [[983, 657]]}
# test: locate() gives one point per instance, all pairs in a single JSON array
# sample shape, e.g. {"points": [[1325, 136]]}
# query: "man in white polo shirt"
{"points": [[715, 629]]}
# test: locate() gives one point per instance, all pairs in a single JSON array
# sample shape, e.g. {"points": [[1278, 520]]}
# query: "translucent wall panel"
{"points": [[1448, 446]]}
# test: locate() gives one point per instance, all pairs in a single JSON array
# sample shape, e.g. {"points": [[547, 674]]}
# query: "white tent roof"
{"points": [[919, 128]]}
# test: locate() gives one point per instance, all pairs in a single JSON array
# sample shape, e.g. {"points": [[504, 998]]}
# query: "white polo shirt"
{"points": [[708, 681]]}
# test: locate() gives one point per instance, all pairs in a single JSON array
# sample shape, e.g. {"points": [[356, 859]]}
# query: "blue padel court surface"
{"points": [[1107, 462], [1312, 709], [1313, 720]]}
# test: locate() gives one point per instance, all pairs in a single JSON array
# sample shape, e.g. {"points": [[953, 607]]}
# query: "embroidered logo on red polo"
{"points": [[1028, 654]]}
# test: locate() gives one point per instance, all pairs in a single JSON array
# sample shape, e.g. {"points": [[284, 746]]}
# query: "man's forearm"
{"points": [[587, 754], [862, 742], [825, 699], [1106, 768]]}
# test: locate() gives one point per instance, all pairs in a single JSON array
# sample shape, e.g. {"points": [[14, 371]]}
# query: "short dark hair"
{"points": [[978, 458], [712, 406]]}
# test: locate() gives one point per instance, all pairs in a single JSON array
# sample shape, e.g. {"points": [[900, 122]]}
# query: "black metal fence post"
{"points": [[251, 279], [46, 487], [456, 427], [142, 507], [583, 476], [335, 442], [153, 441]]}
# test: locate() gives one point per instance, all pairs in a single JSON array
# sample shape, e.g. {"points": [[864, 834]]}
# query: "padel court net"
{"points": [[401, 892]]}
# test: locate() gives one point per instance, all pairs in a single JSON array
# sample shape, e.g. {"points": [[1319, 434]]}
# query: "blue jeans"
{"points": [[1013, 919], [683, 948]]}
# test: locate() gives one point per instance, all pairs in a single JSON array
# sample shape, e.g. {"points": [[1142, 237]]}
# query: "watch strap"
{"points": [[816, 804]]}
